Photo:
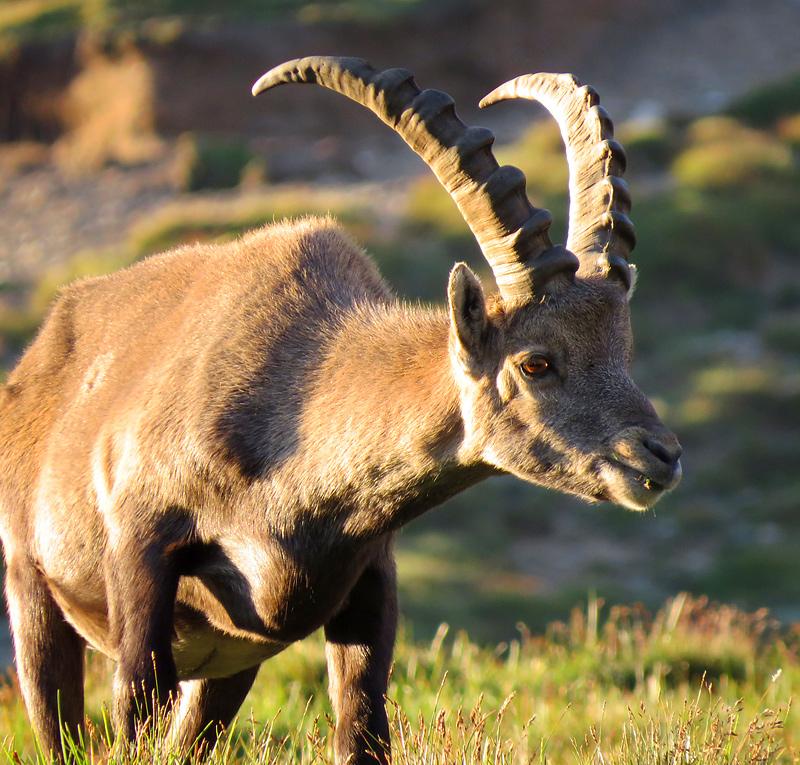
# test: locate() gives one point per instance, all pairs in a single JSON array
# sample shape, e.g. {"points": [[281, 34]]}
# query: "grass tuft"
{"points": [[706, 685]]}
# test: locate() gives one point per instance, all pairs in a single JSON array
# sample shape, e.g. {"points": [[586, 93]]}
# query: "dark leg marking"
{"points": [[360, 640], [206, 708], [142, 583], [49, 655]]}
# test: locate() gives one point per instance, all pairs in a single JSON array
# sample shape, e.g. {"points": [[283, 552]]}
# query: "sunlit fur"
{"points": [[204, 458]]}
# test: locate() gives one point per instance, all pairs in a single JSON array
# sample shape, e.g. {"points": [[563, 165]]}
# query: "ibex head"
{"points": [[543, 368]]}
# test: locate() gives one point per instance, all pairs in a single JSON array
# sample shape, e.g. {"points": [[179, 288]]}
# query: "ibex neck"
{"points": [[388, 405]]}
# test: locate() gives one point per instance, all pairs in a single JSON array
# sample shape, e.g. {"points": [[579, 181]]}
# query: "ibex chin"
{"points": [[205, 457]]}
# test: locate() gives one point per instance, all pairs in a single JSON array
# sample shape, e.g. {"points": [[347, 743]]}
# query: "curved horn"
{"points": [[600, 232], [512, 234]]}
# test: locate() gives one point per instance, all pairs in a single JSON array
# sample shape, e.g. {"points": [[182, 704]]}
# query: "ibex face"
{"points": [[546, 393], [543, 371]]}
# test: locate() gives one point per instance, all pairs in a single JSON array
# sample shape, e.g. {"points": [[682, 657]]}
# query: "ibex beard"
{"points": [[205, 457]]}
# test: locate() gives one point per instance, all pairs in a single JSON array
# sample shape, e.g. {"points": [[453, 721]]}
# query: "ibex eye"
{"points": [[535, 366]]}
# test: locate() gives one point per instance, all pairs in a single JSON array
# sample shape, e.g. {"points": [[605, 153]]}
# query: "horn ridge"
{"points": [[511, 232], [599, 197]]}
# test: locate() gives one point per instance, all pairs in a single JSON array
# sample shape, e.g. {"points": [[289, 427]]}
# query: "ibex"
{"points": [[205, 457]]}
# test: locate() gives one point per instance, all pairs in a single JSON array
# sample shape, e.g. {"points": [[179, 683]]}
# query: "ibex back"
{"points": [[205, 456]]}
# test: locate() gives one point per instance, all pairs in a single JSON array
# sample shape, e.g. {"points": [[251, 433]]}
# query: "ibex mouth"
{"points": [[649, 483], [627, 486]]}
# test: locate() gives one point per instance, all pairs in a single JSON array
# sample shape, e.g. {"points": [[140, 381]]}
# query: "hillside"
{"points": [[717, 312], [126, 129], [94, 93]]}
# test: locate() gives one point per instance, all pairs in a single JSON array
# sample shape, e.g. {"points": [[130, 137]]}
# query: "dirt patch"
{"points": [[47, 216], [108, 113]]}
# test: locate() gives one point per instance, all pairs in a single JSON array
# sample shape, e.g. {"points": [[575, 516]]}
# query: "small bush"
{"points": [[539, 153], [764, 106], [84, 264], [17, 328], [722, 153], [45, 19], [782, 332], [207, 162], [788, 129], [430, 207], [219, 219], [649, 145]]}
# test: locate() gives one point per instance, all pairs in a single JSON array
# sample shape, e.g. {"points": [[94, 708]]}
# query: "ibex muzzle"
{"points": [[205, 456]]}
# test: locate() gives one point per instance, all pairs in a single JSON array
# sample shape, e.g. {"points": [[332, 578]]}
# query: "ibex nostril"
{"points": [[668, 454]]}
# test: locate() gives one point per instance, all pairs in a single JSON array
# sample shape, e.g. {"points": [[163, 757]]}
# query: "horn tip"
{"points": [[502, 92], [294, 70], [265, 82], [489, 99]]}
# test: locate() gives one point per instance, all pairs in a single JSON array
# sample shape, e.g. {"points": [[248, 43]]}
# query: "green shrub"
{"points": [[205, 162], [539, 153], [766, 105], [728, 238], [430, 207], [745, 571], [17, 328], [722, 153], [194, 220], [788, 129], [781, 332], [649, 145], [84, 264], [39, 19]]}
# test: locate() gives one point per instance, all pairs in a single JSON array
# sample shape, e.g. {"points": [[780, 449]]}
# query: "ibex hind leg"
{"points": [[206, 708], [49, 655]]}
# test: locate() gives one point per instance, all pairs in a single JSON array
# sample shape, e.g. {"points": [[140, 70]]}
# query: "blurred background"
{"points": [[126, 128]]}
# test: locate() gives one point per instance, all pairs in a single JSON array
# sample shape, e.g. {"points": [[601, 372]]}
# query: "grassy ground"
{"points": [[696, 684]]}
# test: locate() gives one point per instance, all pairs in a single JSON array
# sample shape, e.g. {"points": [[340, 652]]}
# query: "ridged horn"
{"points": [[512, 233], [600, 232]]}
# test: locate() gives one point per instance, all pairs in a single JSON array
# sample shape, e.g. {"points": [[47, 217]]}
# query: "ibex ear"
{"points": [[468, 320]]}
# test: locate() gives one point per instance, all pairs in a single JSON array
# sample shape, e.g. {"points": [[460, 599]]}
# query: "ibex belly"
{"points": [[206, 651], [226, 619], [200, 648], [249, 602]]}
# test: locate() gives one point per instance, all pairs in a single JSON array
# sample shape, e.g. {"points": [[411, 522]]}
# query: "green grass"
{"points": [[722, 153], [708, 684], [650, 145], [26, 20]]}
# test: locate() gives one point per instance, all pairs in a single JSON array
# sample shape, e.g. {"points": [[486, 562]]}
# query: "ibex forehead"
{"points": [[592, 297], [587, 323]]}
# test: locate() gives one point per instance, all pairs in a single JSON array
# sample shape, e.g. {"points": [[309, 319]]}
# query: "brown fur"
{"points": [[205, 456]]}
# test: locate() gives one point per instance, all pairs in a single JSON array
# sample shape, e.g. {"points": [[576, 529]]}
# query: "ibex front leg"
{"points": [[360, 640], [142, 581]]}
